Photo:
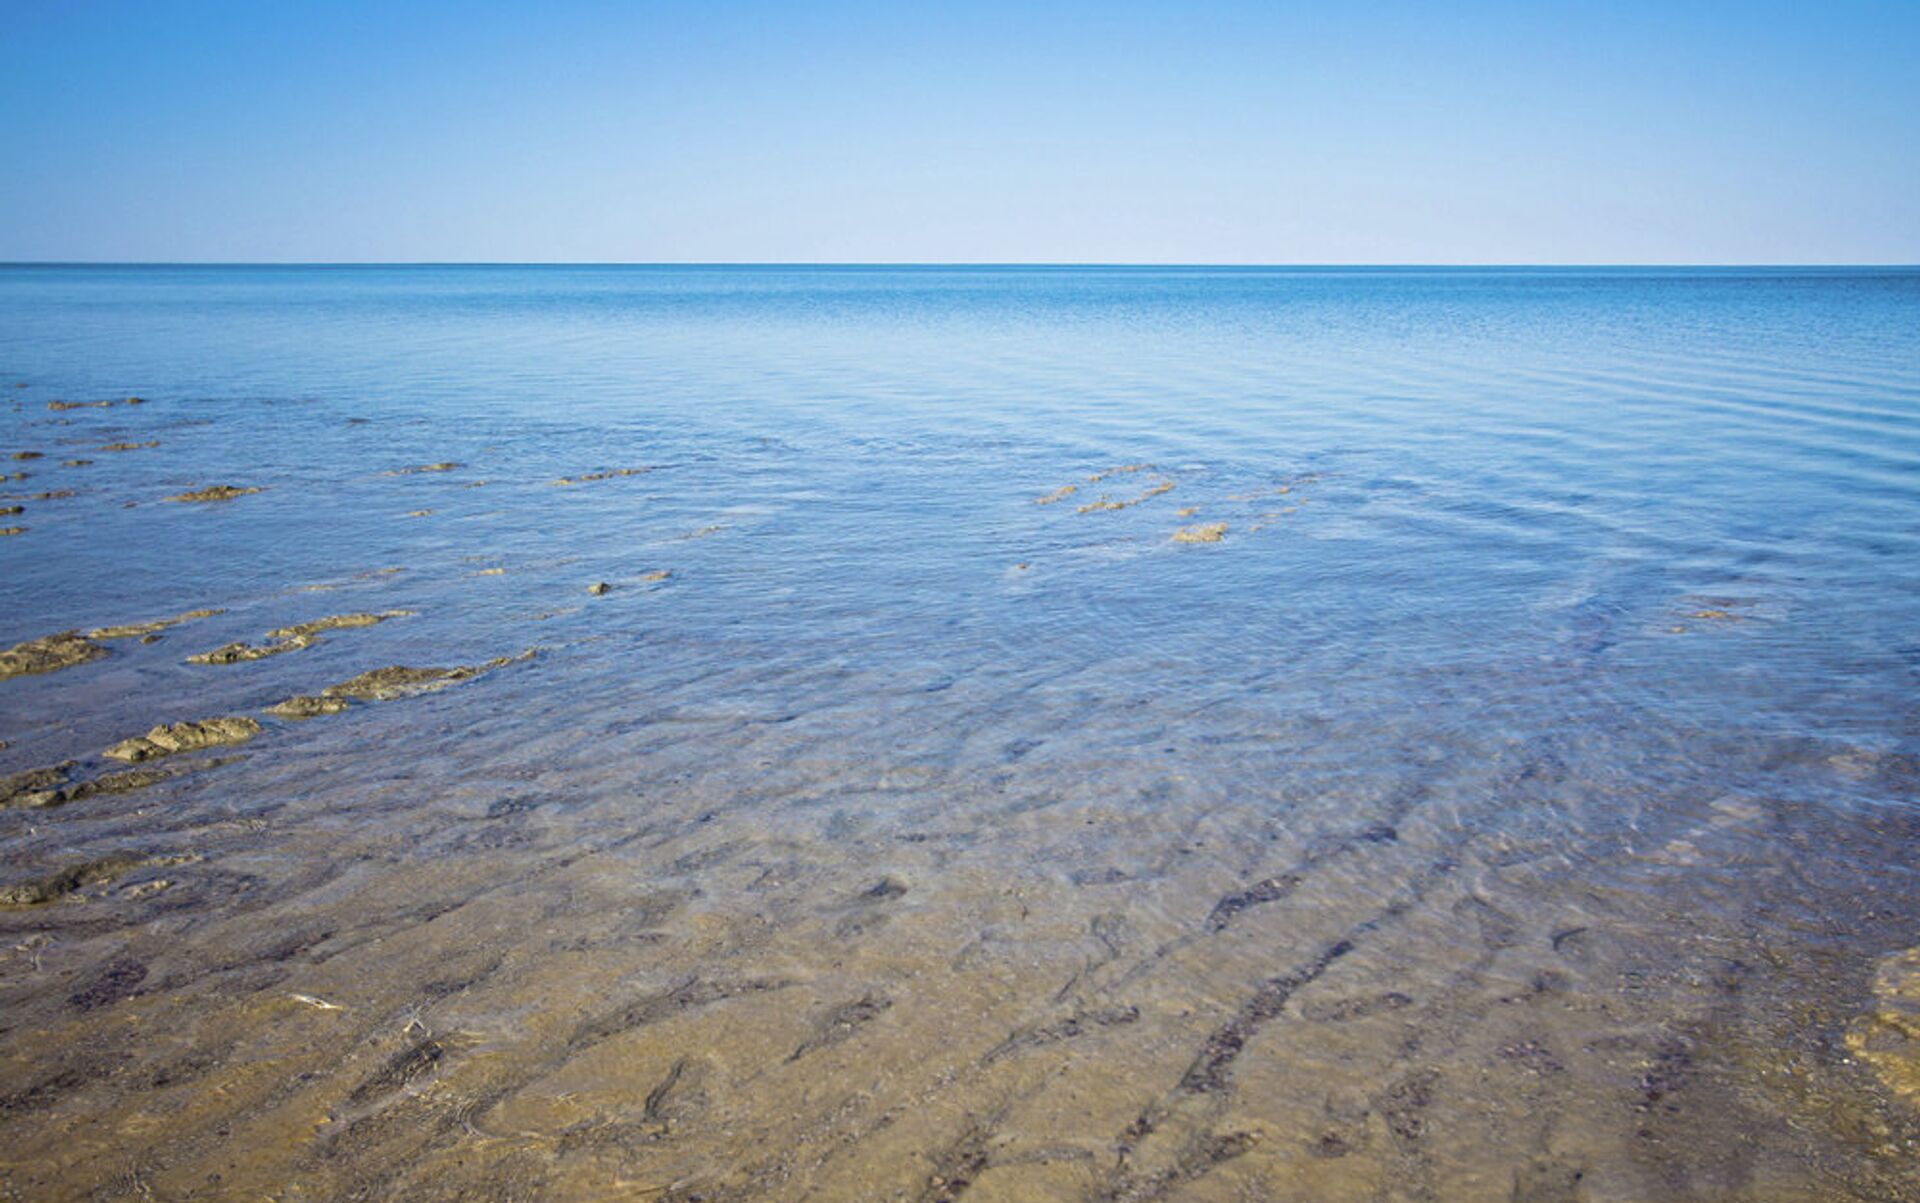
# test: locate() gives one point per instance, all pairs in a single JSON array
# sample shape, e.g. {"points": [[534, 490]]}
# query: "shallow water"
{"points": [[1516, 800]]}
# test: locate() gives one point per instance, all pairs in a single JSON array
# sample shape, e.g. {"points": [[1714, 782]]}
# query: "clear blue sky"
{"points": [[1637, 131]]}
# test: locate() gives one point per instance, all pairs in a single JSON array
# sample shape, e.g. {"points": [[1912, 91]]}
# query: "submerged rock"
{"points": [[62, 882], [336, 622], [306, 705], [49, 787], [143, 629], [167, 739], [48, 653], [446, 466], [385, 684], [28, 454], [241, 651], [598, 588], [12, 530], [400, 681], [293, 638], [591, 476], [1887, 1037], [58, 406], [1163, 485], [130, 446], [35, 787], [216, 493], [1205, 532]]}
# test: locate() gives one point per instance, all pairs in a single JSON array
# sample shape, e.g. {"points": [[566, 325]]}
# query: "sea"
{"points": [[924, 733]]}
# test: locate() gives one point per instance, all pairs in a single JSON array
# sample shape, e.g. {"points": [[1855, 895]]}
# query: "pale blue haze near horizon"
{"points": [[843, 132]]}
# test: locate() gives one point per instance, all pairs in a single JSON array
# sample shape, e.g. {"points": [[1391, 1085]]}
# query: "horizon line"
{"points": [[967, 263]]}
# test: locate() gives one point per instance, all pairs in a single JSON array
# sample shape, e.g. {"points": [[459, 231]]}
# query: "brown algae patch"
{"points": [[1887, 1037], [139, 630], [446, 466], [29, 454], [419, 513], [167, 739], [131, 446], [293, 638], [48, 653], [1205, 532], [6, 531], [61, 406], [1059, 494], [217, 493]]}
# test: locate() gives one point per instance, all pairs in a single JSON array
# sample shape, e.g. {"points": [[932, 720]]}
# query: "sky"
{"points": [[1363, 131]]}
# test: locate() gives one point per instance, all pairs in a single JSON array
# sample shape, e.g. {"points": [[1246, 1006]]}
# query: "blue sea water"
{"points": [[1567, 605]]}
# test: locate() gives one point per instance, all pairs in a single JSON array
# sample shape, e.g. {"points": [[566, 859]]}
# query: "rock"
{"points": [[62, 882], [658, 574], [591, 476], [76, 463], [336, 622], [447, 466], [28, 454], [12, 509], [385, 684], [215, 493], [48, 653], [598, 588], [58, 406], [241, 651], [1887, 1037], [143, 629], [291, 639], [1163, 485], [131, 446], [306, 705], [1205, 532], [48, 787], [165, 740], [35, 787], [12, 530]]}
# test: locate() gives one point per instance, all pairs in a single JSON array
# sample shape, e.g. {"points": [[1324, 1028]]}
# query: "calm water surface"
{"points": [[1511, 795]]}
